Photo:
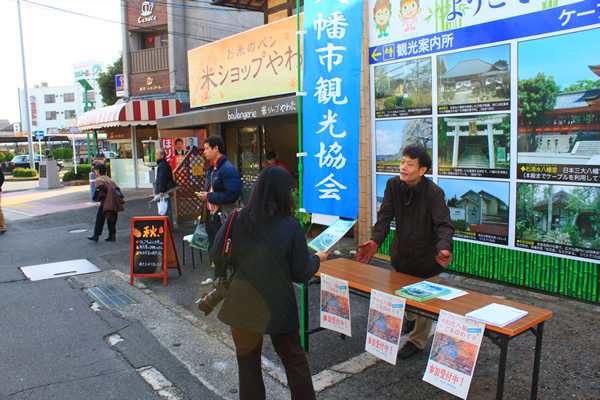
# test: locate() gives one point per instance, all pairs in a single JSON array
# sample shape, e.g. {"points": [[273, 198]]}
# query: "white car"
{"points": [[111, 154]]}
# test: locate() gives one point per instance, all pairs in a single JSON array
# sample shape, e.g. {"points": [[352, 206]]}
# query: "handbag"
{"points": [[210, 299], [163, 206], [200, 238]]}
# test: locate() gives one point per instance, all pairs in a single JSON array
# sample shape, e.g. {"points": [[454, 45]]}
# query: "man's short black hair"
{"points": [[271, 155], [216, 141], [417, 152], [101, 168], [178, 140]]}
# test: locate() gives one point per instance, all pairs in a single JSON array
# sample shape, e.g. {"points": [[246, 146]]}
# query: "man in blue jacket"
{"points": [[223, 188]]}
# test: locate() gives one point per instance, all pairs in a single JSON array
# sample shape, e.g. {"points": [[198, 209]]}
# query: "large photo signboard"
{"points": [[505, 96]]}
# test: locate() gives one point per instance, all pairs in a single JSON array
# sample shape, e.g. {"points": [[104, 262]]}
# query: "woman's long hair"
{"points": [[271, 197]]}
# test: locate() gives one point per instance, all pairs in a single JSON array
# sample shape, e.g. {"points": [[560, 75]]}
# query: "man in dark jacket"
{"points": [[223, 188], [422, 244], [164, 180]]}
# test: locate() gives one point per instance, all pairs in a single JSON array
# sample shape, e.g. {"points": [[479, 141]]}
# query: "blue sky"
{"points": [[388, 136], [489, 55], [565, 57], [459, 187], [381, 182]]}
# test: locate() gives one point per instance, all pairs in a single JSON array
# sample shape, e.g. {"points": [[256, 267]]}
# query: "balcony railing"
{"points": [[149, 60]]}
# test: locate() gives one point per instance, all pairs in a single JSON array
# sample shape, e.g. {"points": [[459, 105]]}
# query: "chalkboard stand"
{"points": [[152, 248]]}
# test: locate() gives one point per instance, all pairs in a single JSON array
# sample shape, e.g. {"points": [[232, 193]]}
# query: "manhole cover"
{"points": [[59, 269], [78, 230], [111, 296]]}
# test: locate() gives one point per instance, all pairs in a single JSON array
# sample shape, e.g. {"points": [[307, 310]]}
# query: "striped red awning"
{"points": [[137, 112]]}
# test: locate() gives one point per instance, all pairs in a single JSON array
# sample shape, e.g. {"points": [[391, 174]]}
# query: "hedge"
{"points": [[24, 173]]}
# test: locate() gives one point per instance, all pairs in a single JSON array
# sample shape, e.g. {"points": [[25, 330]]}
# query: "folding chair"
{"points": [[188, 239]]}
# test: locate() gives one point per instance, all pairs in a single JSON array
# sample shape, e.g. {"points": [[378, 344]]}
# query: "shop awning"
{"points": [[136, 112]]}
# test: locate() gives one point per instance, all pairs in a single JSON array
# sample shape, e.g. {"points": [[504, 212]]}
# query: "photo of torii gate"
{"points": [[476, 142]]}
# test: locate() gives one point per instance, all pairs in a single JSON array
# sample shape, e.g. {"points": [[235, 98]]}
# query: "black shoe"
{"points": [[408, 326], [408, 350], [2, 231], [93, 238], [110, 239]]}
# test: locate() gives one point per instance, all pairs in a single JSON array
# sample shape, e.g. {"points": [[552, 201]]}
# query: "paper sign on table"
{"points": [[335, 305], [496, 314], [386, 313], [454, 353]]}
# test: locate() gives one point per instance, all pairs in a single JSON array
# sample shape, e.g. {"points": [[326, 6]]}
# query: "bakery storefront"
{"points": [[249, 130], [243, 88]]}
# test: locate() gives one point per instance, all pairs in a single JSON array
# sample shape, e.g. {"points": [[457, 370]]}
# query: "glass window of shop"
{"points": [[144, 133]]}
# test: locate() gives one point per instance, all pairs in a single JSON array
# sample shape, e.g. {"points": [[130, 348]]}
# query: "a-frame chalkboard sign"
{"points": [[153, 249]]}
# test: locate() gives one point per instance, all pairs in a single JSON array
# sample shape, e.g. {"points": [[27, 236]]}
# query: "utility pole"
{"points": [[27, 120]]}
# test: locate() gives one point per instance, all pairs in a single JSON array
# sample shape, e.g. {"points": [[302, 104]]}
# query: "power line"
{"points": [[180, 34]]}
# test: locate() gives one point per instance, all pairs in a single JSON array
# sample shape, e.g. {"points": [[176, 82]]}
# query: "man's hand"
{"points": [[444, 258], [202, 195], [366, 251]]}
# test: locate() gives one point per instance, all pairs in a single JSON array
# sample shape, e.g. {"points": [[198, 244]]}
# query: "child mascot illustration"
{"points": [[381, 14], [408, 11]]}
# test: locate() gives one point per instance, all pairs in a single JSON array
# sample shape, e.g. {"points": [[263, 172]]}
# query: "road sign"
{"points": [[38, 134], [120, 85]]}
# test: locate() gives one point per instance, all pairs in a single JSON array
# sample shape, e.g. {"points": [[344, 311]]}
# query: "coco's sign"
{"points": [[146, 15]]}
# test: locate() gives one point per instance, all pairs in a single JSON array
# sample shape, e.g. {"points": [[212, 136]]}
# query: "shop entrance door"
{"points": [[251, 157]]}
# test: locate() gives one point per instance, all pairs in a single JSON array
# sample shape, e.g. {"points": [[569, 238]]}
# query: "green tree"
{"points": [[106, 82], [382, 82], [67, 153], [584, 84], [445, 144], [537, 96]]}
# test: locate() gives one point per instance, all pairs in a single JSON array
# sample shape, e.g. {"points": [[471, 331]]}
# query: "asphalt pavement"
{"points": [[58, 342]]}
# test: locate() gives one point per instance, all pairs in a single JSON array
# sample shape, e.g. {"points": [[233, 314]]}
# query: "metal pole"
{"points": [[304, 286], [27, 119], [74, 154]]}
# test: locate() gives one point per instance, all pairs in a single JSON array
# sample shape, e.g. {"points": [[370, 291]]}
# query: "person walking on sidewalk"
{"points": [[2, 223], [164, 182], [422, 244], [111, 203], [268, 252], [223, 189]]}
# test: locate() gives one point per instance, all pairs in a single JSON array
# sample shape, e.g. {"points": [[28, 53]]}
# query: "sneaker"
{"points": [[207, 282], [409, 350]]}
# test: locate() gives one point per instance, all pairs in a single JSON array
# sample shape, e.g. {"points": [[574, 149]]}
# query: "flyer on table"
{"points": [[335, 305], [454, 353], [386, 313]]}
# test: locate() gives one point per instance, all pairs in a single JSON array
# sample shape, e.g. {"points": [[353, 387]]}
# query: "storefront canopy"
{"points": [[136, 112]]}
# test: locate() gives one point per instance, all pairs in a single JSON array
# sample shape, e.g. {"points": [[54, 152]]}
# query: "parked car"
{"points": [[111, 154], [22, 161]]}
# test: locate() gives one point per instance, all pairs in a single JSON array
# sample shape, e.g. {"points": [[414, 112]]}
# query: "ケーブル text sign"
{"points": [[257, 63], [153, 249]]}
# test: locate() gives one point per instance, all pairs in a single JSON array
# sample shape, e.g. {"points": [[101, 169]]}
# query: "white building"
{"points": [[54, 109]]}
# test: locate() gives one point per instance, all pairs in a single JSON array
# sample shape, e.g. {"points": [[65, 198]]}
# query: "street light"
{"points": [[27, 120]]}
